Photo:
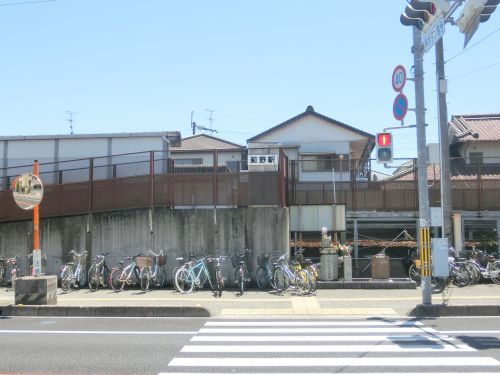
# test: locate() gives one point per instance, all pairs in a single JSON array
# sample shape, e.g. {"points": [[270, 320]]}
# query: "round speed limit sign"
{"points": [[399, 78]]}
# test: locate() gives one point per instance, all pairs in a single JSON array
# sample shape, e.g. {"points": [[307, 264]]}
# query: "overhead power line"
{"points": [[27, 2], [467, 49]]}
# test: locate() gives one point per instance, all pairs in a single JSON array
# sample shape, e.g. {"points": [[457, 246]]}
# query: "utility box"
{"points": [[380, 267], [439, 248]]}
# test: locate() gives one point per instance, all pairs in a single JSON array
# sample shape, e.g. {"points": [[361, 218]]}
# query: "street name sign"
{"points": [[435, 32]]}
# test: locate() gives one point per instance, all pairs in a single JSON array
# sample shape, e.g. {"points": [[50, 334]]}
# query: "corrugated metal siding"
{"points": [[325, 147]]}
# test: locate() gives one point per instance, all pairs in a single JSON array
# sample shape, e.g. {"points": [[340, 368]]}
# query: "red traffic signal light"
{"points": [[384, 139], [384, 148]]}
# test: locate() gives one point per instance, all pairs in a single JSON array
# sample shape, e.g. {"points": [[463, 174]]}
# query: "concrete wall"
{"points": [[179, 232]]}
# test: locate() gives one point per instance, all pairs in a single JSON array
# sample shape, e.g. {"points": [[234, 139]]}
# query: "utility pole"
{"points": [[423, 193], [445, 174]]}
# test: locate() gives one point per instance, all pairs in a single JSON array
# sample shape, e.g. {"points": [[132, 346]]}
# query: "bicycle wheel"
{"points": [[414, 274], [219, 283], [261, 278], [461, 276], [302, 280], [117, 279], [495, 272], [93, 278], [66, 278], [438, 284], [183, 280], [314, 278], [144, 277], [475, 274], [82, 277], [279, 279], [161, 278]]}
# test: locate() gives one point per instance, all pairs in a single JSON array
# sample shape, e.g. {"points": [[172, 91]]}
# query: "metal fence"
{"points": [[150, 179]]}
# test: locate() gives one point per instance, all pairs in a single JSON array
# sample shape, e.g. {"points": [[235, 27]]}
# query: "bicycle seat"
{"points": [[70, 263], [241, 262]]}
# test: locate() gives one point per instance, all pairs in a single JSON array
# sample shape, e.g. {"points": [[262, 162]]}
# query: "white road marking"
{"points": [[409, 347], [98, 332], [312, 323], [335, 362], [316, 330], [318, 338]]}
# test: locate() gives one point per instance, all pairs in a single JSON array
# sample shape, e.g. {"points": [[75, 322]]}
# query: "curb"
{"points": [[105, 311], [372, 284], [461, 310]]}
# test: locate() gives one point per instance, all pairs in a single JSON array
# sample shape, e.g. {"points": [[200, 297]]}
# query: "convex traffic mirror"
{"points": [[27, 190]]}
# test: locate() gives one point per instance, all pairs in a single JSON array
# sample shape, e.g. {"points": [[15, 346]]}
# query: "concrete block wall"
{"points": [[222, 231]]}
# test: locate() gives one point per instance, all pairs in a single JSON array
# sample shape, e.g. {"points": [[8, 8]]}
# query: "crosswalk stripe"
{"points": [[346, 323], [334, 362], [329, 373], [325, 348], [322, 338], [317, 330], [228, 346]]}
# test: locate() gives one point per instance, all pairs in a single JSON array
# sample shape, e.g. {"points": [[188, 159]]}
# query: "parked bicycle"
{"points": [[2, 270], [309, 266], [285, 276], [9, 277], [264, 272], [483, 266], [191, 274], [154, 273], [124, 275], [242, 277], [458, 275], [74, 273], [98, 272]]}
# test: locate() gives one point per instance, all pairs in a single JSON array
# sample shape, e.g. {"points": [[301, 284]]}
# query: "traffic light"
{"points": [[422, 14], [384, 147], [474, 12]]}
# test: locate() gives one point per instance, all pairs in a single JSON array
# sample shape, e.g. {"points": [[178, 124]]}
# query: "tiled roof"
{"points": [[205, 142], [459, 170], [465, 128], [310, 111]]}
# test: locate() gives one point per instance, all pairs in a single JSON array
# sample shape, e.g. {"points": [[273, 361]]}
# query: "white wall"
{"points": [[310, 129]]}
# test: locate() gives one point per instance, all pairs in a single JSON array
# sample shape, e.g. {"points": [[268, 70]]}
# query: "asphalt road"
{"points": [[284, 345]]}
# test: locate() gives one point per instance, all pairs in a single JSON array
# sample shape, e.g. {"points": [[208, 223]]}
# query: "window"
{"points": [[325, 162], [475, 157], [196, 161]]}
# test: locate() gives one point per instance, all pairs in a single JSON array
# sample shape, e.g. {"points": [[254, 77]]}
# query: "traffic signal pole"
{"points": [[423, 193]]}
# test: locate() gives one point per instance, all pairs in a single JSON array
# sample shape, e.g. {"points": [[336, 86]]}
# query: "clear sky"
{"points": [[145, 65]]}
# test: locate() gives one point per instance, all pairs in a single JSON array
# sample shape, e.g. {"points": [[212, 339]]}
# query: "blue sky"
{"points": [[144, 65]]}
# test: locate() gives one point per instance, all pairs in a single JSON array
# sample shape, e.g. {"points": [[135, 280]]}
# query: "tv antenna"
{"points": [[195, 126], [70, 120]]}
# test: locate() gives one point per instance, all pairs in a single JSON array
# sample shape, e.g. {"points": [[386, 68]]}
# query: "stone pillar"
{"points": [[36, 290]]}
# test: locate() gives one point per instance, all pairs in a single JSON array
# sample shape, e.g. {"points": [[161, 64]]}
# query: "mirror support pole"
{"points": [[36, 215]]}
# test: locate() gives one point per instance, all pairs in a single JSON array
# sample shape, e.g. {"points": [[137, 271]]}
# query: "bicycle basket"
{"points": [[162, 260], [80, 259], [143, 261]]}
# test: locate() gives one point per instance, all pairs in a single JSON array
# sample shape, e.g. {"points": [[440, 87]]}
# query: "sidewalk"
{"points": [[481, 299]]}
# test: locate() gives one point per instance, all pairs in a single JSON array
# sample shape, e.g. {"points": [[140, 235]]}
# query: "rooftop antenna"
{"points": [[70, 120], [211, 117], [195, 126]]}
